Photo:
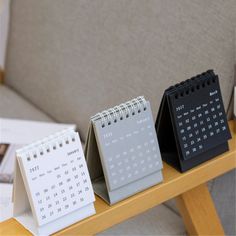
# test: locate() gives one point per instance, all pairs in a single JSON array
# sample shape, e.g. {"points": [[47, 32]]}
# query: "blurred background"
{"points": [[64, 61]]}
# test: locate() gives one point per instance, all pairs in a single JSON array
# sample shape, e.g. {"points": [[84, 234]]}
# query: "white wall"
{"points": [[4, 21]]}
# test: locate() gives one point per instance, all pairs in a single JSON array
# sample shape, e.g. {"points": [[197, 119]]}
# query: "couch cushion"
{"points": [[157, 221], [223, 190], [74, 58], [14, 106]]}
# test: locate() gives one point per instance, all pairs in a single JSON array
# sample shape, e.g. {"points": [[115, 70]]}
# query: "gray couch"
{"points": [[67, 60]]}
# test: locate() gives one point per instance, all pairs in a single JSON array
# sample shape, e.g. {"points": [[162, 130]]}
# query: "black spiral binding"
{"points": [[193, 84]]}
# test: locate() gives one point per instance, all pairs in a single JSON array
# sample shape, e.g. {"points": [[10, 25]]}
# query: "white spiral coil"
{"points": [[121, 112], [49, 144]]}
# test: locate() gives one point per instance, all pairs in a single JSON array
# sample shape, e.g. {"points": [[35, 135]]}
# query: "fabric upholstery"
{"points": [[157, 221], [4, 21], [223, 191], [73, 58], [14, 106]]}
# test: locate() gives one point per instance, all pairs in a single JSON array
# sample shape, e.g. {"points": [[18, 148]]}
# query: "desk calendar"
{"points": [[122, 151], [191, 124], [52, 187]]}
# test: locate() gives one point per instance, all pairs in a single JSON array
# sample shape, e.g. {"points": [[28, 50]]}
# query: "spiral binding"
{"points": [[49, 144], [121, 112], [193, 84]]}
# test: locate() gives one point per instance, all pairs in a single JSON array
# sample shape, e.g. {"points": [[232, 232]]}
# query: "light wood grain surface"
{"points": [[199, 222], [174, 184]]}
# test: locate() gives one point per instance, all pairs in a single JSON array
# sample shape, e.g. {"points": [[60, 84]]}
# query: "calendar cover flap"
{"points": [[20, 198], [87, 141], [165, 132], [100, 188], [92, 155], [94, 165]]}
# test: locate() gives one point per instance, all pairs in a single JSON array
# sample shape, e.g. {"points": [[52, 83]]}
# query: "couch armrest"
{"points": [[1, 75], [4, 25]]}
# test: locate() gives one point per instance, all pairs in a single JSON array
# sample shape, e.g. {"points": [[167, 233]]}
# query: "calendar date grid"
{"points": [[199, 124], [132, 160], [68, 191]]}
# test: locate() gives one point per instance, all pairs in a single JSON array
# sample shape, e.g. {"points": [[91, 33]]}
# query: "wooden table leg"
{"points": [[198, 212]]}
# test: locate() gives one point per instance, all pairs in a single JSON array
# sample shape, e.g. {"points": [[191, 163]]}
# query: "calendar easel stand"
{"points": [[189, 190]]}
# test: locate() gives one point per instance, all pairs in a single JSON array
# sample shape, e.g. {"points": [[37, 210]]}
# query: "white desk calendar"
{"points": [[52, 187], [122, 151]]}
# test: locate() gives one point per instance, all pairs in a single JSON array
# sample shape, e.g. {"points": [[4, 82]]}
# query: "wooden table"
{"points": [[189, 189]]}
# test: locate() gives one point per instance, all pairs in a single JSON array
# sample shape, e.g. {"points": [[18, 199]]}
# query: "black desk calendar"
{"points": [[191, 124]]}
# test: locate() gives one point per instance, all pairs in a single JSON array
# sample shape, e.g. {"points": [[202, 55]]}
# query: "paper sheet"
{"points": [[8, 163], [14, 131], [17, 133], [6, 205]]}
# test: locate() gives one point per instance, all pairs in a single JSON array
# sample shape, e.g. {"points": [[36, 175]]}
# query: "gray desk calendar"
{"points": [[122, 151]]}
